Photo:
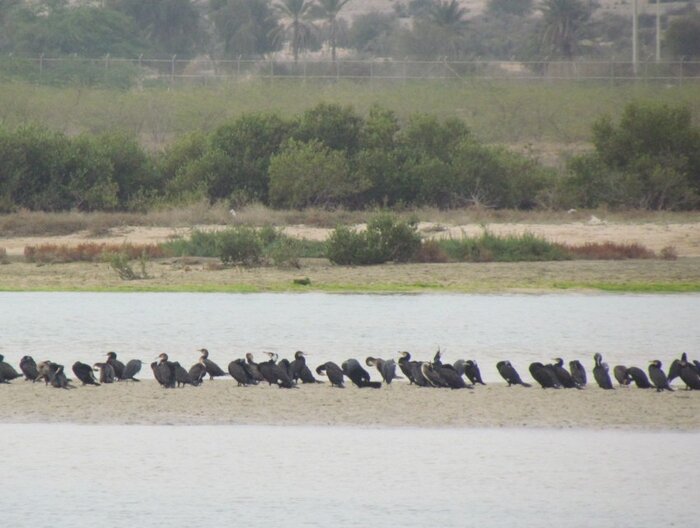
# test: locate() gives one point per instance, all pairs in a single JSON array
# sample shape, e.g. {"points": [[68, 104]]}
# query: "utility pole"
{"points": [[635, 51], [658, 31]]}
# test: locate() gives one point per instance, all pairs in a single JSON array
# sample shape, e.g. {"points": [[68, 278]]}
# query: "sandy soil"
{"points": [[685, 237], [222, 402]]}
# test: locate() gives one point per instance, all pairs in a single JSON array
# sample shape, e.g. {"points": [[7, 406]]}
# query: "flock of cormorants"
{"points": [[288, 374]]}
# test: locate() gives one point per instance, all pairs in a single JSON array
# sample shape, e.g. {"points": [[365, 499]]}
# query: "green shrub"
{"points": [[240, 245], [310, 174], [335, 126], [385, 239]]}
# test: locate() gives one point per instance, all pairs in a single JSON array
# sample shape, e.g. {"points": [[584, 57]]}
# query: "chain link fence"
{"points": [[205, 70]]}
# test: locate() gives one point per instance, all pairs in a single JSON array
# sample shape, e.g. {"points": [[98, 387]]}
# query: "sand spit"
{"points": [[398, 405]]}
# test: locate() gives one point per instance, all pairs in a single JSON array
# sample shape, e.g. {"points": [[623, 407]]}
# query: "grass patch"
{"points": [[609, 251], [502, 112]]}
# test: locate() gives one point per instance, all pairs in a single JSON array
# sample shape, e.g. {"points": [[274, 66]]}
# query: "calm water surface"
{"points": [[71, 475], [66, 327]]}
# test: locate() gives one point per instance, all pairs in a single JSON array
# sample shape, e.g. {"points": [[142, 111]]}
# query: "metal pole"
{"points": [[635, 51], [658, 31], [41, 64], [172, 68]]}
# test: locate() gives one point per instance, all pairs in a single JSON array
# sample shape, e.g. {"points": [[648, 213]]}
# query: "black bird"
{"points": [[675, 370], [450, 376], [84, 373], [578, 372], [132, 368], [254, 370], [658, 377], [299, 370], [241, 372], [212, 368], [508, 373], [565, 379], [543, 375], [432, 375], [358, 375], [639, 377], [274, 373], [471, 370], [28, 367], [117, 365], [334, 373], [182, 376], [600, 372], [412, 369], [621, 375], [198, 371], [385, 367], [7, 371], [107, 374], [44, 371], [164, 371], [689, 374]]}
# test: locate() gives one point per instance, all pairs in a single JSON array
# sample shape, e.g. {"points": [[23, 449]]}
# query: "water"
{"points": [[71, 475], [627, 329]]}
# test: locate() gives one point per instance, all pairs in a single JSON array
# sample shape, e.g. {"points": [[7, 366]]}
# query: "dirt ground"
{"points": [[399, 404]]}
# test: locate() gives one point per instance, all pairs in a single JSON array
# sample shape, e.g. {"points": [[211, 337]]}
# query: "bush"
{"points": [[240, 245], [310, 174], [513, 248], [384, 240]]}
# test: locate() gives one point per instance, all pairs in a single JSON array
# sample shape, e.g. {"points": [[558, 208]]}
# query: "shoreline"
{"points": [[399, 405]]}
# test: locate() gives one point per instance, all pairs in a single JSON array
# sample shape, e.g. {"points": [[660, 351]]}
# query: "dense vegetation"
{"points": [[332, 156]]}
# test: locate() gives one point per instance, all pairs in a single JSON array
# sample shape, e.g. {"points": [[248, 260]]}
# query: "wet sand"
{"points": [[398, 405]]}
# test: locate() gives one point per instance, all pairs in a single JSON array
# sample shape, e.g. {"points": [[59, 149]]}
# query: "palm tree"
{"points": [[296, 24], [562, 21], [448, 15], [328, 11]]}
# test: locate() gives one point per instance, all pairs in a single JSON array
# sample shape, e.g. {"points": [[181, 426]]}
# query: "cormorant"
{"points": [[198, 371], [164, 371], [450, 376], [639, 377], [578, 372], [241, 372], [7, 371], [44, 372], [544, 376], [471, 370], [182, 377], [273, 373], [52, 373], [600, 372], [116, 365], [84, 373], [621, 375], [132, 368], [254, 370], [508, 373], [689, 374], [358, 375], [334, 373], [405, 366], [385, 367], [658, 377], [300, 370], [28, 367], [212, 368], [565, 379], [107, 374]]}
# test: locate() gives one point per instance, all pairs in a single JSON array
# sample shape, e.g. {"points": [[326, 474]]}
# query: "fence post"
{"points": [[304, 69], [404, 69], [680, 81], [140, 61], [107, 62], [238, 68], [272, 69], [337, 70], [172, 68], [371, 71], [41, 65]]}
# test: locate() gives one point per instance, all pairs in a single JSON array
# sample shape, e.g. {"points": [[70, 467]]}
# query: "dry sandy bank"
{"points": [[222, 402]]}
